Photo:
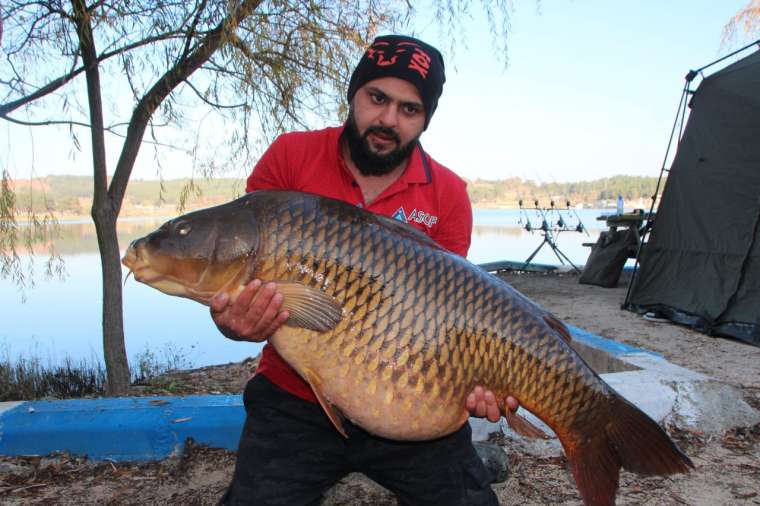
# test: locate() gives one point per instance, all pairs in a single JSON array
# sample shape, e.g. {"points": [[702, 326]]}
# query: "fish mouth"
{"points": [[147, 275], [139, 268], [130, 258]]}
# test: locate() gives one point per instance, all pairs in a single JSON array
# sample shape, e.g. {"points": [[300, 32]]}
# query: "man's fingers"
{"points": [[265, 315], [219, 302], [482, 403], [278, 322], [261, 302], [493, 414], [243, 301], [471, 402], [491, 407]]}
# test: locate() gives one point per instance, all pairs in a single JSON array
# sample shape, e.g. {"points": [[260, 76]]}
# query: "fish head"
{"points": [[199, 254]]}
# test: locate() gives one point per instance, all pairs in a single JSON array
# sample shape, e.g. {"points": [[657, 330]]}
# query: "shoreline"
{"points": [[167, 213], [728, 465]]}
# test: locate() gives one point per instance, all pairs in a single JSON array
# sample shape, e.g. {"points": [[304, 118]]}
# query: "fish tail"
{"points": [[630, 439]]}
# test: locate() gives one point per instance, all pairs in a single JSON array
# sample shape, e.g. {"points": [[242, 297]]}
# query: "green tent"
{"points": [[701, 264]]}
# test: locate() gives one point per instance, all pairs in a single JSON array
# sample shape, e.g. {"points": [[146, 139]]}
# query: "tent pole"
{"points": [[693, 73], [680, 113]]}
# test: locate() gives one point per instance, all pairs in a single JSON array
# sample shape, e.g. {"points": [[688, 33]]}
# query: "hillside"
{"points": [[598, 193], [72, 195]]}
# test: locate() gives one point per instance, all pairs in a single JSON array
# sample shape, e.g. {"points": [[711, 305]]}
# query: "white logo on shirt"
{"points": [[416, 216]]}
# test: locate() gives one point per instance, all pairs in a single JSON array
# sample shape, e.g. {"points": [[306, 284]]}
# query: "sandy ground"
{"points": [[728, 465]]}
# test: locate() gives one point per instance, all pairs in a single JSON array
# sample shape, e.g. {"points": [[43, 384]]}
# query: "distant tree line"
{"points": [[73, 194], [508, 192]]}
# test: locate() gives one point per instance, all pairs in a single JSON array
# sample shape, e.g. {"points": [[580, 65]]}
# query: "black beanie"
{"points": [[405, 58]]}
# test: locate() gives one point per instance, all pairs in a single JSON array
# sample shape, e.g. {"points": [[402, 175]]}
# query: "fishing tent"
{"points": [[701, 264]]}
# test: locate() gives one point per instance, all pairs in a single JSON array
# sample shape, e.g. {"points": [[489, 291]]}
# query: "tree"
{"points": [[747, 19], [255, 67]]}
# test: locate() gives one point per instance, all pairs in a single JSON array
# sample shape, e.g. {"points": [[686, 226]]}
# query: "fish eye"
{"points": [[183, 228]]}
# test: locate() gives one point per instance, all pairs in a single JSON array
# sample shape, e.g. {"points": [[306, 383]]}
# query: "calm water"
{"points": [[63, 318]]}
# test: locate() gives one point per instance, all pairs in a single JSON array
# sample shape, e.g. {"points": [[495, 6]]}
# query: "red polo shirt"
{"points": [[428, 196]]}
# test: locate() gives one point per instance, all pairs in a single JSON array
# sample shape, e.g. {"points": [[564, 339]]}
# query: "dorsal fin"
{"points": [[558, 327], [407, 231]]}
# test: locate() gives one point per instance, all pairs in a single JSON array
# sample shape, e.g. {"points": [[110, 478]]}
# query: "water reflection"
{"points": [[484, 230], [77, 238], [63, 318]]}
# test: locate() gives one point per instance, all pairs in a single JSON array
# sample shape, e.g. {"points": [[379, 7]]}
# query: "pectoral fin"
{"points": [[523, 426], [331, 411], [309, 308]]}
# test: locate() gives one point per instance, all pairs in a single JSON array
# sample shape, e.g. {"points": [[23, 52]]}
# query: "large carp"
{"points": [[393, 332]]}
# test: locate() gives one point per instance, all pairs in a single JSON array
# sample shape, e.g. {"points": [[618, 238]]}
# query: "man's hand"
{"points": [[482, 403], [253, 316]]}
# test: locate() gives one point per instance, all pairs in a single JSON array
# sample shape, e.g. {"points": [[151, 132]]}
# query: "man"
{"points": [[289, 452]]}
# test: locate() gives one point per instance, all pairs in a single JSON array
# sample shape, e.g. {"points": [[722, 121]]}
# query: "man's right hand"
{"points": [[253, 316]]}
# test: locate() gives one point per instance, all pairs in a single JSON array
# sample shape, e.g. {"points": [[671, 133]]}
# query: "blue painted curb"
{"points": [[123, 428], [607, 345], [148, 428], [510, 265]]}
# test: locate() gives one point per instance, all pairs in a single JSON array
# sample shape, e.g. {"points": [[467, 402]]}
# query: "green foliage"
{"points": [[183, 193], [148, 196], [508, 193], [151, 368], [72, 195], [27, 378], [36, 231]]}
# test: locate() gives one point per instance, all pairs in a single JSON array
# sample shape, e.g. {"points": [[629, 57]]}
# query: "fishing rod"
{"points": [[549, 230], [580, 227]]}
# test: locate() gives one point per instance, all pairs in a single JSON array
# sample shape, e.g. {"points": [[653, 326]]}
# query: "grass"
{"points": [[29, 379]]}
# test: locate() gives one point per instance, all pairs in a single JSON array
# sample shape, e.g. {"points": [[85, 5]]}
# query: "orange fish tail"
{"points": [[628, 439]]}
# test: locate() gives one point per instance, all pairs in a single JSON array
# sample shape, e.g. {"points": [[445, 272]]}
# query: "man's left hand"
{"points": [[482, 404]]}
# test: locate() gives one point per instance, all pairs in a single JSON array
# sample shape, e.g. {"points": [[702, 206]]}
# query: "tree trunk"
{"points": [[104, 214], [114, 349], [107, 199]]}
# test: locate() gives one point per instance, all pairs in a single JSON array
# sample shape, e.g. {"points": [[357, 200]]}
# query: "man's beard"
{"points": [[369, 163]]}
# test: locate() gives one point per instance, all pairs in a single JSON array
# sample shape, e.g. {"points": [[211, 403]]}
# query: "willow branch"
{"points": [[9, 107], [163, 87]]}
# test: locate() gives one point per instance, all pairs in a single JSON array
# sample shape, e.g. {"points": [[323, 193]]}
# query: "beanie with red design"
{"points": [[405, 58]]}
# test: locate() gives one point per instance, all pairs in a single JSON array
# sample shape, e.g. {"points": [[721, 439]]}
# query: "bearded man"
{"points": [[289, 452]]}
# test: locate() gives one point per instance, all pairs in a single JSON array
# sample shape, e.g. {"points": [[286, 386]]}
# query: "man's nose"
{"points": [[388, 116]]}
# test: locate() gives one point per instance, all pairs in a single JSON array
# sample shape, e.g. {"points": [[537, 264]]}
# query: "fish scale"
{"points": [[393, 332]]}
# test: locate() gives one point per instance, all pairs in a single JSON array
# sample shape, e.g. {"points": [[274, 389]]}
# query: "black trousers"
{"points": [[290, 454]]}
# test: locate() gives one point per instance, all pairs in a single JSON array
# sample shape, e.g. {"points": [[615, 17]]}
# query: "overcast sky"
{"points": [[591, 90]]}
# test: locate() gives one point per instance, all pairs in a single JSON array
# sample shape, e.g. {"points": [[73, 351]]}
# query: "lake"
{"points": [[62, 319]]}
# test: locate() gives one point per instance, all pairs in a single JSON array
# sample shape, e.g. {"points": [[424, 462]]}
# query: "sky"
{"points": [[590, 91]]}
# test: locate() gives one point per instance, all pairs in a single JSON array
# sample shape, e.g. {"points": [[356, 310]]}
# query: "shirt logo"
{"points": [[400, 215], [416, 216]]}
